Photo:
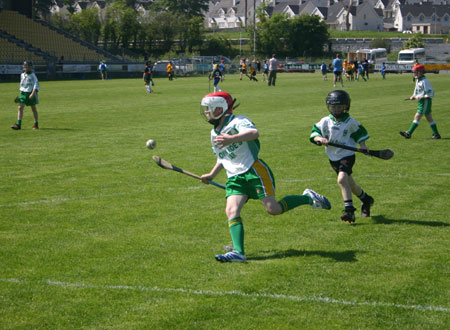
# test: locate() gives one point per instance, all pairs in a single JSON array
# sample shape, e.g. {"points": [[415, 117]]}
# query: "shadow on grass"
{"points": [[379, 219], [344, 256]]}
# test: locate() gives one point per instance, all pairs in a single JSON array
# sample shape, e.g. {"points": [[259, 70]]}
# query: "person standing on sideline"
{"points": [[337, 70], [323, 68], [383, 71], [273, 67], [169, 69], [29, 87], [147, 76], [236, 146], [423, 93], [103, 68], [339, 126]]}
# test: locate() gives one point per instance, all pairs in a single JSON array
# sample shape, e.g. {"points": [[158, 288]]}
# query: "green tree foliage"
{"points": [[220, 45], [301, 36], [270, 34], [414, 42], [306, 36], [86, 25], [188, 8], [380, 43]]}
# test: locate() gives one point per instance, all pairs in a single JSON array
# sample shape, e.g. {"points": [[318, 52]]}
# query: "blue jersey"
{"points": [[337, 64], [323, 67]]}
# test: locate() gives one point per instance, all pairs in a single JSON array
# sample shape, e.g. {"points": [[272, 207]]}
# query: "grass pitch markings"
{"points": [[61, 200], [317, 299]]}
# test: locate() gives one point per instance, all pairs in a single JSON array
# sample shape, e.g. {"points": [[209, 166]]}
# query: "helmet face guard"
{"points": [[338, 103], [27, 66], [216, 105]]}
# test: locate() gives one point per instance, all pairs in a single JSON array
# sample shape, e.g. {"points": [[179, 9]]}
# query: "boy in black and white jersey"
{"points": [[340, 128]]}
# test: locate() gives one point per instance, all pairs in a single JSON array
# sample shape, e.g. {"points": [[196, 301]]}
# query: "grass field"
{"points": [[93, 235]]}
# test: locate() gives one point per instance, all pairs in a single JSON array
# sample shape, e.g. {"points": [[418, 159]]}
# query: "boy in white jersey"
{"points": [[338, 127], [235, 143], [29, 86], [423, 93]]}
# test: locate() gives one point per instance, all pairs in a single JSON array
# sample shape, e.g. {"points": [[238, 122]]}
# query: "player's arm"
{"points": [[224, 140], [316, 136], [213, 173]]}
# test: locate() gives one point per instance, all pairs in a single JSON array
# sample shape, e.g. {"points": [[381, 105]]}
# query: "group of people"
{"points": [[251, 69], [235, 143], [352, 70]]}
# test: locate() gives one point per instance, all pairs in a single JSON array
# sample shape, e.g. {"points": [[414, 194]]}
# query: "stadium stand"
{"points": [[48, 40], [12, 53]]}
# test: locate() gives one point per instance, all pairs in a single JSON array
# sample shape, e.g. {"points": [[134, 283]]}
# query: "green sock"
{"points": [[237, 234], [434, 128], [292, 201], [413, 127], [19, 122]]}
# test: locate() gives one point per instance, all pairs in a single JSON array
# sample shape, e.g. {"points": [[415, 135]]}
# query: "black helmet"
{"points": [[28, 63], [338, 103]]}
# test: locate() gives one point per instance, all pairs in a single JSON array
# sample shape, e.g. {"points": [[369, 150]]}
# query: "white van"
{"points": [[409, 56]]}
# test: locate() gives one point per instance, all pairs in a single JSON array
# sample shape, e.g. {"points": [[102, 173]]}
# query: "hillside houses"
{"points": [[354, 15]]}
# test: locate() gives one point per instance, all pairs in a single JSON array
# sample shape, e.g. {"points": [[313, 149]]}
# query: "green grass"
{"points": [[93, 235]]}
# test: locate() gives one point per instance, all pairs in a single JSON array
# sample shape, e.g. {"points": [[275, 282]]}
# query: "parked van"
{"points": [[409, 56]]}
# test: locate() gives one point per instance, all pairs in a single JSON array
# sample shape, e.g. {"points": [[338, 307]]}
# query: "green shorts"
{"points": [[24, 98], [257, 183], [424, 106]]}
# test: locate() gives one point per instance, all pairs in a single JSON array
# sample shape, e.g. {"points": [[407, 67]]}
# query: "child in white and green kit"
{"points": [[29, 87]]}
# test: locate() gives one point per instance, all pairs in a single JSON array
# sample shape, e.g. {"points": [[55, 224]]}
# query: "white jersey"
{"points": [[423, 88], [28, 82], [348, 131], [236, 158]]}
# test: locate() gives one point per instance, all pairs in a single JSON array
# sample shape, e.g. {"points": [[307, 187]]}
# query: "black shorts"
{"points": [[337, 73], [343, 165]]}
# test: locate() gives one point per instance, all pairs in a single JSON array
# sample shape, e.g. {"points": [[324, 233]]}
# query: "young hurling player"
{"points": [[216, 74], [147, 76], [423, 93], [235, 143], [29, 87], [338, 127]]}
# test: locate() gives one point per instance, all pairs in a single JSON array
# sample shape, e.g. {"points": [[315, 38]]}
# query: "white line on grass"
{"points": [[320, 299], [60, 200]]}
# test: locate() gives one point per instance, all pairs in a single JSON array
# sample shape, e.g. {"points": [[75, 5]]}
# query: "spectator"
{"points": [[273, 65]]}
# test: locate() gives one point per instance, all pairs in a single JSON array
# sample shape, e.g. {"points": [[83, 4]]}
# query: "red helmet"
{"points": [[418, 68], [215, 100]]}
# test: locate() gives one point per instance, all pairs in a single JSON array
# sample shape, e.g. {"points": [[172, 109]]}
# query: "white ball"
{"points": [[151, 144]]}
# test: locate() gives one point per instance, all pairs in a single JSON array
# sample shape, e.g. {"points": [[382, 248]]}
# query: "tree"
{"points": [[165, 27], [306, 36], [188, 8], [270, 34], [414, 42], [191, 33], [380, 43], [86, 25]]}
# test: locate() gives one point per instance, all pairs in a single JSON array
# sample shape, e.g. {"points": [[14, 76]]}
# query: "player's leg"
{"points": [[18, 125], [420, 110], [36, 117], [367, 200], [233, 212], [343, 169], [430, 120], [346, 191]]}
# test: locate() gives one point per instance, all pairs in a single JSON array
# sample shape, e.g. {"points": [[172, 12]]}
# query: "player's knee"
{"points": [[342, 178]]}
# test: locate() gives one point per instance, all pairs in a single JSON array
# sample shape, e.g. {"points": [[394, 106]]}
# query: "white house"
{"points": [[426, 18]]}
